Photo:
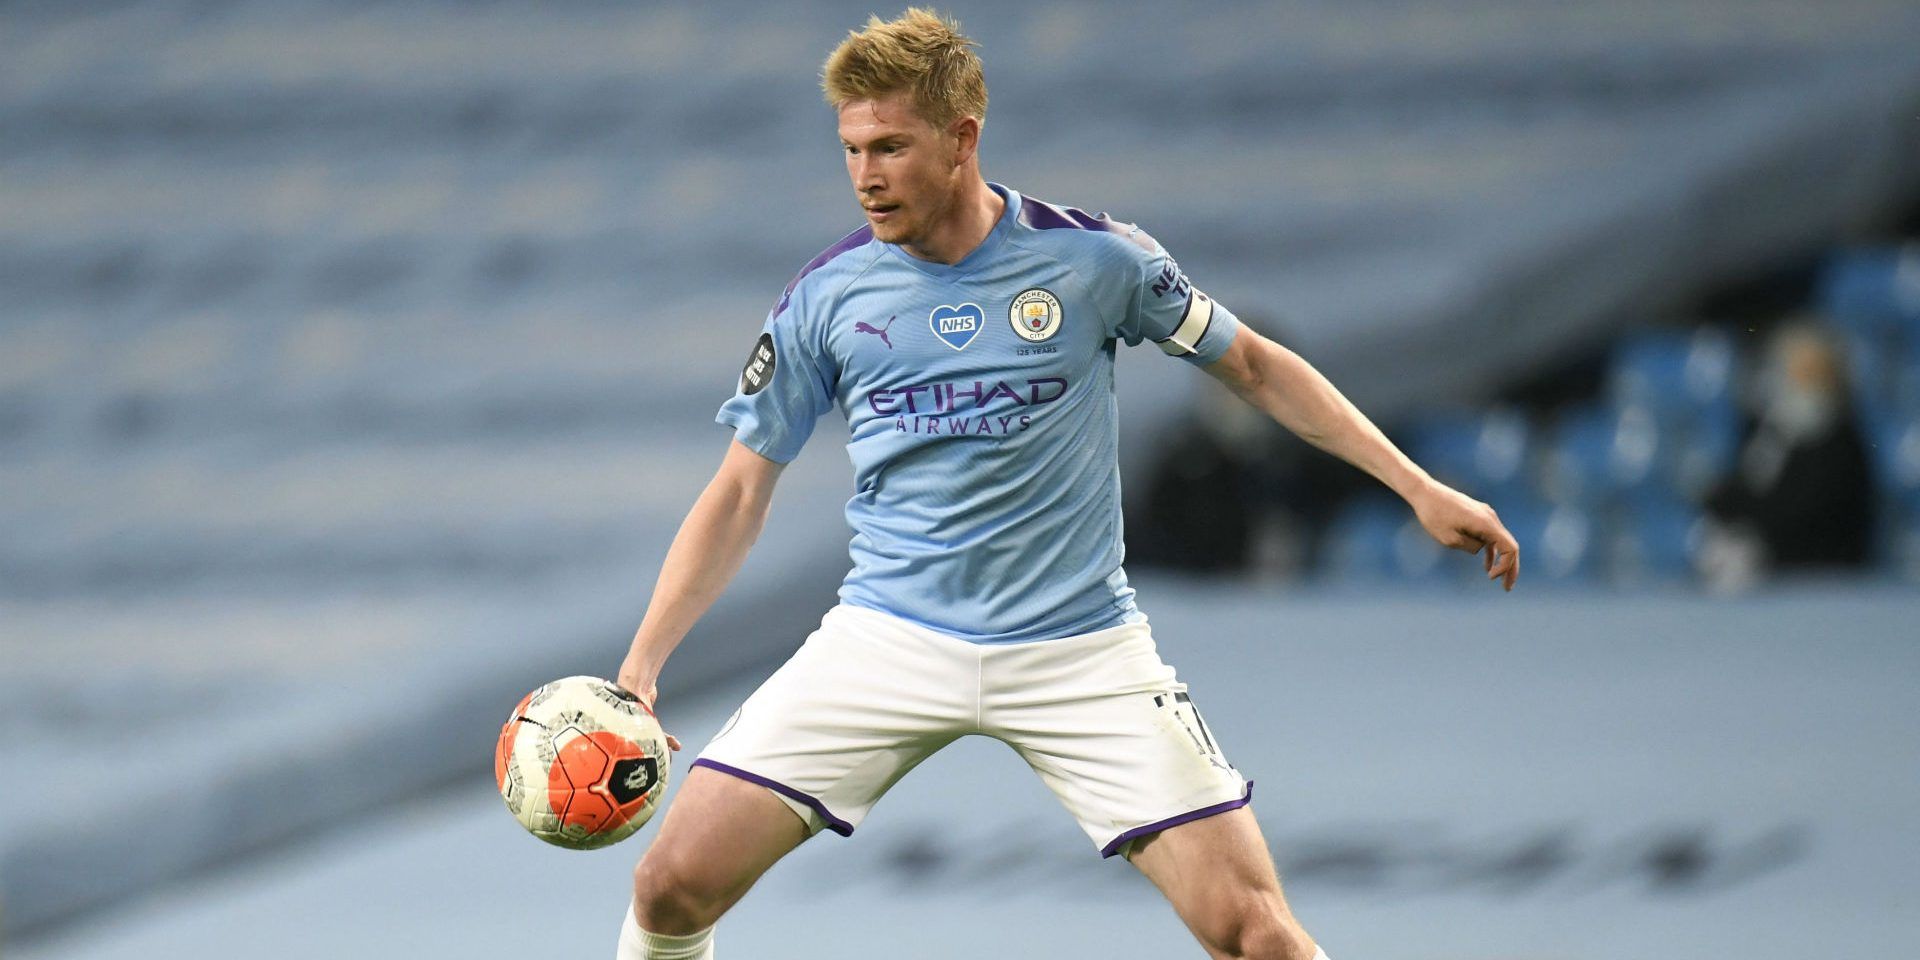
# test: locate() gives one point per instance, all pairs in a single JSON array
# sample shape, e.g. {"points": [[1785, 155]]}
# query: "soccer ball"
{"points": [[581, 763]]}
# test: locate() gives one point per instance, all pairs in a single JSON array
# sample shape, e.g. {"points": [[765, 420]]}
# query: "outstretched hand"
{"points": [[1463, 523]]}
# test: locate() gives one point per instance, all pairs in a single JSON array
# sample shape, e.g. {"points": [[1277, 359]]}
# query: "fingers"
{"points": [[1466, 524], [1502, 557], [646, 700], [673, 742], [1508, 567]]}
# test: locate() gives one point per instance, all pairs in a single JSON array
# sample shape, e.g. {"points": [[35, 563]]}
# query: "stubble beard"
{"points": [[895, 232], [915, 230]]}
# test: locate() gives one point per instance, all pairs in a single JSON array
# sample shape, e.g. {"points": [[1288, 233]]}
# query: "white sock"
{"points": [[1319, 954], [638, 944]]}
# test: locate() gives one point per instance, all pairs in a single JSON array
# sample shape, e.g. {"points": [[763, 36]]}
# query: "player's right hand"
{"points": [[646, 698]]}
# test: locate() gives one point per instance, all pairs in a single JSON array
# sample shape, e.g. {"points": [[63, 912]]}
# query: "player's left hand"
{"points": [[1463, 523]]}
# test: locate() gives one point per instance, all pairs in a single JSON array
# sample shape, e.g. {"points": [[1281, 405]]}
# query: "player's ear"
{"points": [[965, 132]]}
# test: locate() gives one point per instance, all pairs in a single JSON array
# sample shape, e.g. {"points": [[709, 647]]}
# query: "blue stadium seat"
{"points": [[1576, 468], [1568, 550], [1443, 445], [1654, 539], [1680, 376], [1599, 456], [1872, 289], [1871, 372], [1485, 455], [1705, 452], [1902, 389], [1556, 542], [1894, 448], [1377, 538], [1640, 463], [1503, 456]]}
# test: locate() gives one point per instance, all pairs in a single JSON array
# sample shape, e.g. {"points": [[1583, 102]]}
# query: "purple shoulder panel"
{"points": [[852, 241], [1041, 215]]}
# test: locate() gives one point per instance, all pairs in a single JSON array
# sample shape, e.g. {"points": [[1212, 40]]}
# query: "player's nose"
{"points": [[866, 178]]}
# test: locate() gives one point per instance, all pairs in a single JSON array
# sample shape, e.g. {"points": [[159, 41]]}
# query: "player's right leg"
{"points": [[863, 701], [720, 835]]}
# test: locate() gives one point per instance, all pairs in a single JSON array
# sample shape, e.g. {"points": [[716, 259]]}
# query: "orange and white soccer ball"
{"points": [[581, 763]]}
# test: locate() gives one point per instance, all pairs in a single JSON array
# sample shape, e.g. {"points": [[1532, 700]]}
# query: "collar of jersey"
{"points": [[979, 254]]}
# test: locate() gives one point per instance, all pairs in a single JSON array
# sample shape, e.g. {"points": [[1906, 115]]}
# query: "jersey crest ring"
{"points": [[1035, 314]]}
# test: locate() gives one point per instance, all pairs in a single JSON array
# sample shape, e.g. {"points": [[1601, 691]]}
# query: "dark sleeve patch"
{"points": [[760, 363]]}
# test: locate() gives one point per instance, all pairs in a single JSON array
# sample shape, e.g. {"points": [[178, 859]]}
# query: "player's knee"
{"points": [[1256, 927], [667, 901]]}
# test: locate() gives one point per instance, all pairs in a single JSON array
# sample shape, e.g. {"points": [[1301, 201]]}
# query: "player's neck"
{"points": [[973, 216]]}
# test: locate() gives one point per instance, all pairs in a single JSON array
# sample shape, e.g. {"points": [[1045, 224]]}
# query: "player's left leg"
{"points": [[1116, 737], [1219, 877]]}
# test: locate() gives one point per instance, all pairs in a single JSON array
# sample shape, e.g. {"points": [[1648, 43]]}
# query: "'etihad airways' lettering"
{"points": [[949, 397], [963, 426]]}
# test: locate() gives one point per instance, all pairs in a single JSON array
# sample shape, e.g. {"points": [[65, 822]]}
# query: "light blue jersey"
{"points": [[985, 431]]}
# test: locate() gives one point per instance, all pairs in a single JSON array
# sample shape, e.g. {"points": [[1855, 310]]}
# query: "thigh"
{"points": [[1113, 734], [719, 835], [1220, 878], [1207, 860], [860, 704]]}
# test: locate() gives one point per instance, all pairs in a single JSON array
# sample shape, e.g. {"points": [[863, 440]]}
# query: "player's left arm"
{"points": [[1277, 381]]}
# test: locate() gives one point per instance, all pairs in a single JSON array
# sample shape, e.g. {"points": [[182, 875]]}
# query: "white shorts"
{"points": [[869, 696]]}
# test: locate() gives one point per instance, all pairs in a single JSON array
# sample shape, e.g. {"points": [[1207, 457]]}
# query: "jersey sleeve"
{"points": [[1165, 307], [787, 383]]}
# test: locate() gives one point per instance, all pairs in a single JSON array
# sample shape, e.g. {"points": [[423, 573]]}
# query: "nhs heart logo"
{"points": [[957, 325]]}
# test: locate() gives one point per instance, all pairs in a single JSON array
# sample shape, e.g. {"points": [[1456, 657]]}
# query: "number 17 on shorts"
{"points": [[1178, 708]]}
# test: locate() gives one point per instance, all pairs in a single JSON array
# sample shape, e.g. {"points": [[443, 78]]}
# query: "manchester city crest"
{"points": [[1035, 314]]}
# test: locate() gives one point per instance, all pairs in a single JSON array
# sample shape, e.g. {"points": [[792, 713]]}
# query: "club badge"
{"points": [[957, 326], [1035, 315]]}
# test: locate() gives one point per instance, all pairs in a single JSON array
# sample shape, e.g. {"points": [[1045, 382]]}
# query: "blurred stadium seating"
{"points": [[357, 361], [1873, 296], [1638, 458]]}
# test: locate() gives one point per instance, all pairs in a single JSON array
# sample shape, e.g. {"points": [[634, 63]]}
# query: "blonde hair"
{"points": [[919, 52]]}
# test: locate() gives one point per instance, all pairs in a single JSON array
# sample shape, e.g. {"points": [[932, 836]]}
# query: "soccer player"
{"points": [[967, 333]]}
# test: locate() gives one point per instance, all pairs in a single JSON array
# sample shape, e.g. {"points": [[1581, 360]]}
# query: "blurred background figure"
{"points": [[1802, 495], [1206, 492], [1223, 490]]}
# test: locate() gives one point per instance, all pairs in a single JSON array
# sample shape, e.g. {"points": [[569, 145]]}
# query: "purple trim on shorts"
{"points": [[852, 241], [1137, 832], [834, 823]]}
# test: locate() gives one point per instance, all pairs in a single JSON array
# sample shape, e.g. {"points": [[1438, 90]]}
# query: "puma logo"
{"points": [[861, 326]]}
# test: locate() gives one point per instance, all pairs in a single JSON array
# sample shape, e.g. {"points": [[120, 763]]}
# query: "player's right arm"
{"points": [[785, 386], [712, 543]]}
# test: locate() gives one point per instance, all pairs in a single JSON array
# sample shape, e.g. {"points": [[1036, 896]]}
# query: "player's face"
{"points": [[904, 171]]}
